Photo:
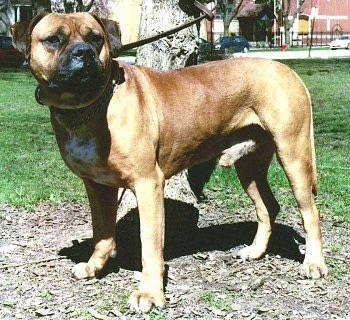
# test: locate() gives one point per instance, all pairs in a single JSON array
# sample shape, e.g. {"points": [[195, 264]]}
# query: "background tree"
{"points": [[100, 7], [7, 16], [40, 6], [229, 10], [175, 51], [289, 12]]}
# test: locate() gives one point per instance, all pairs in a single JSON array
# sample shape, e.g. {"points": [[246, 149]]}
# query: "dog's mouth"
{"points": [[79, 71]]}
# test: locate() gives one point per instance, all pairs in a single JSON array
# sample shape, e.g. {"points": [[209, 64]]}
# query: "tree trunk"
{"points": [[228, 15], [227, 23], [287, 26], [173, 52], [41, 6], [7, 17]]}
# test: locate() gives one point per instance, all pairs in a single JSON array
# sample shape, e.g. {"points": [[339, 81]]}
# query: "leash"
{"points": [[206, 14]]}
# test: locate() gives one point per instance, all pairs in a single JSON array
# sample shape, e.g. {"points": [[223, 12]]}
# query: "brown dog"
{"points": [[121, 126]]}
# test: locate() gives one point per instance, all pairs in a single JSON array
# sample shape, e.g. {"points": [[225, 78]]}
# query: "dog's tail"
{"points": [[312, 146], [313, 155]]}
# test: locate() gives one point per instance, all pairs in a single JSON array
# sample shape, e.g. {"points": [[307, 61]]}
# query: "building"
{"points": [[258, 21], [255, 20], [331, 16], [22, 9]]}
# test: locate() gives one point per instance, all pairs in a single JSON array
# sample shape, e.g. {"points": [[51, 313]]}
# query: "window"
{"points": [[303, 24]]}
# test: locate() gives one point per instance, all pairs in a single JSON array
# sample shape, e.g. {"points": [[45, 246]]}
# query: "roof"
{"points": [[256, 11]]}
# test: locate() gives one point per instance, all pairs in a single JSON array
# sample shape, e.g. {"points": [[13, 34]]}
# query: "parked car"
{"points": [[341, 43], [205, 46], [9, 56], [232, 44]]}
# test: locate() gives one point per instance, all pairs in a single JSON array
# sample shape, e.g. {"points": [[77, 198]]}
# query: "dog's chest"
{"points": [[83, 157], [81, 151]]}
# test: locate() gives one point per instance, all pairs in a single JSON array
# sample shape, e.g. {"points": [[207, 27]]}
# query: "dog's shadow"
{"points": [[184, 237]]}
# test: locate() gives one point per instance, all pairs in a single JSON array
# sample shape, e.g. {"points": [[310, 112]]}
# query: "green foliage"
{"points": [[45, 294], [215, 301]]}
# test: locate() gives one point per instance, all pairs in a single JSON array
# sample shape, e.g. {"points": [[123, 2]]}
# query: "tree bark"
{"points": [[228, 15], [287, 11], [7, 17], [173, 52], [41, 6]]}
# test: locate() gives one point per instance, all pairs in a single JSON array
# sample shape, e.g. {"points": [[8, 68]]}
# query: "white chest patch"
{"points": [[84, 160], [81, 150]]}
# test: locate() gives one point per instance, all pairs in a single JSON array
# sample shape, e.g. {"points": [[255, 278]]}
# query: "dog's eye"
{"points": [[52, 41], [96, 39]]}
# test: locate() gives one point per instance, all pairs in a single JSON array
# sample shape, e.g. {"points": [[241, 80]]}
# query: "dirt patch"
{"points": [[205, 279]]}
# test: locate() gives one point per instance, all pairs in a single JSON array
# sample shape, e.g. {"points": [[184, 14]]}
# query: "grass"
{"points": [[31, 170], [331, 99], [216, 302]]}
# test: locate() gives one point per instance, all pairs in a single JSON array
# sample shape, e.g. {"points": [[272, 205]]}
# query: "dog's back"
{"points": [[202, 110]]}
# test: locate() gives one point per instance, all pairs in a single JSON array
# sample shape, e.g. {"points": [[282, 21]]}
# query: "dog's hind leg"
{"points": [[252, 173], [103, 203], [298, 162]]}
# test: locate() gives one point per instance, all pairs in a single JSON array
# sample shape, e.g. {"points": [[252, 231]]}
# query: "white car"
{"points": [[341, 43]]}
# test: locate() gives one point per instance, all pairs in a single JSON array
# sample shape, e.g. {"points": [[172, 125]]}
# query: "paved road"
{"points": [[300, 54], [280, 55]]}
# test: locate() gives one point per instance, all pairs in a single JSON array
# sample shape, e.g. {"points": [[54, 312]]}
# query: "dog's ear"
{"points": [[21, 33], [114, 35]]}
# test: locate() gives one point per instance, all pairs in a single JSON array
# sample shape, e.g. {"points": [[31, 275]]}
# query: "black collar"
{"points": [[73, 118]]}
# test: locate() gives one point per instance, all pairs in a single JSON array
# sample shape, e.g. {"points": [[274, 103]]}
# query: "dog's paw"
{"points": [[314, 270], [83, 271], [143, 301], [251, 253]]}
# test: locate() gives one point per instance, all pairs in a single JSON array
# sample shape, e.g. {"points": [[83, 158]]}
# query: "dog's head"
{"points": [[69, 54]]}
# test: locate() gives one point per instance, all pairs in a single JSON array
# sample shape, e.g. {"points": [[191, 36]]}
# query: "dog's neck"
{"points": [[74, 118]]}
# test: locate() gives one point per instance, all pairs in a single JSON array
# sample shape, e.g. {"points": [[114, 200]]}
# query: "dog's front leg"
{"points": [[103, 203], [150, 199]]}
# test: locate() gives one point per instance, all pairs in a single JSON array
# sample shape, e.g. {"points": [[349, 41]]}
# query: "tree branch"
{"points": [[15, 265], [235, 11]]}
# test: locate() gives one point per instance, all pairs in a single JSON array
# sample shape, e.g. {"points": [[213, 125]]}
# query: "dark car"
{"points": [[205, 46], [9, 56], [233, 44]]}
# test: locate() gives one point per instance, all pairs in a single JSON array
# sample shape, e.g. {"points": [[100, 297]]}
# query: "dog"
{"points": [[122, 126]]}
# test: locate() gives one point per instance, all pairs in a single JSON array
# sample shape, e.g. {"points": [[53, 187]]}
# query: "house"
{"points": [[22, 9], [126, 12], [11, 12], [258, 21], [255, 21]]}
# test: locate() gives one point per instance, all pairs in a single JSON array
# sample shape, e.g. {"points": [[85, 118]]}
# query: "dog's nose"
{"points": [[81, 50]]}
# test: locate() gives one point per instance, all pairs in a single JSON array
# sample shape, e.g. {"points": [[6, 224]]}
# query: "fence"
{"points": [[298, 40]]}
